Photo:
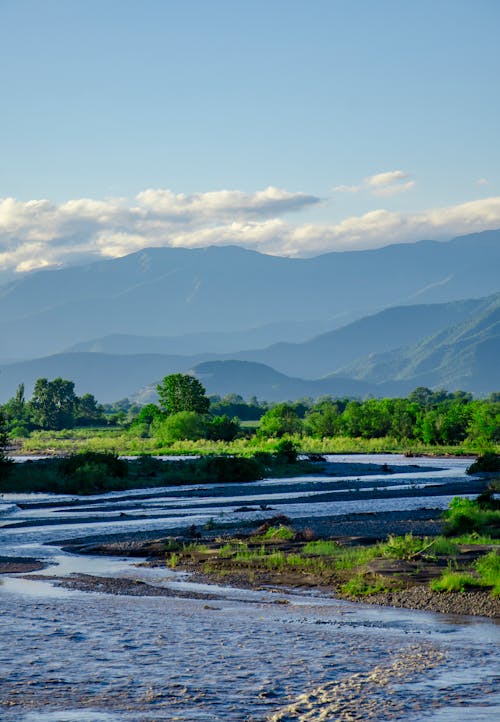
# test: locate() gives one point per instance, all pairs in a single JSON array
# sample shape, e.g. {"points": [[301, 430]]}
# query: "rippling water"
{"points": [[67, 655]]}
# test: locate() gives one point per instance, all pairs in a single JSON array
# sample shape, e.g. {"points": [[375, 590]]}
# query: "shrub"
{"points": [[487, 462], [286, 451], [452, 581], [402, 547], [465, 516], [108, 464], [285, 533], [360, 585], [488, 568]]}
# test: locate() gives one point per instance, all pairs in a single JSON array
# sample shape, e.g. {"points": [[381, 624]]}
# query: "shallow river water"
{"points": [[243, 655]]}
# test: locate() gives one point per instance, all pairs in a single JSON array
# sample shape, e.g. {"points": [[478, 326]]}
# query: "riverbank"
{"points": [[355, 568]]}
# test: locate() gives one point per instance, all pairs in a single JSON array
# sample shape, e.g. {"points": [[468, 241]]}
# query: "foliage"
{"points": [[281, 532], [109, 464], [487, 462], [233, 405], [362, 585], [280, 420], [53, 404], [286, 451], [5, 464], [222, 428], [182, 392], [453, 581], [465, 516], [179, 426], [402, 547], [488, 568]]}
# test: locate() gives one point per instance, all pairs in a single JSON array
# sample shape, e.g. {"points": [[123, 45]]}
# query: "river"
{"points": [[241, 655]]}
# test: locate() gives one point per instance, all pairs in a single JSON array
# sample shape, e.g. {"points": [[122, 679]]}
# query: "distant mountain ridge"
{"points": [[391, 328], [175, 291], [460, 355], [463, 356]]}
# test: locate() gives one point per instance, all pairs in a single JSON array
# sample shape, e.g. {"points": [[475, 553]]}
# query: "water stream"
{"points": [[245, 655]]}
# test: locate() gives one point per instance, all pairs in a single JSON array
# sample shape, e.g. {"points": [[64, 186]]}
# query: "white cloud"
{"points": [[482, 182], [389, 183], [38, 234]]}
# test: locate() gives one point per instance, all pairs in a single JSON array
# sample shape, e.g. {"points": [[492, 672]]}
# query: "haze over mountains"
{"points": [[129, 321], [175, 291]]}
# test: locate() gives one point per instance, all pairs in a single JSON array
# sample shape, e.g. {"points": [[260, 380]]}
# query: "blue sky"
{"points": [[315, 99]]}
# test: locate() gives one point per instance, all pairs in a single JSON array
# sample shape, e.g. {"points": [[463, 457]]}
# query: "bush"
{"points": [[225, 469], [104, 463], [286, 451], [451, 581], [466, 516], [489, 462], [283, 533], [488, 568]]}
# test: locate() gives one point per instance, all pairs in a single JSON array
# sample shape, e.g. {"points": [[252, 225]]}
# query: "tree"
{"points": [[3, 438], [184, 425], [280, 420], [182, 392], [222, 428], [53, 404], [5, 463], [88, 411]]}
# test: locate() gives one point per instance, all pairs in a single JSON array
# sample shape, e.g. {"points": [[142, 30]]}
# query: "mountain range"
{"points": [[444, 342], [177, 291]]}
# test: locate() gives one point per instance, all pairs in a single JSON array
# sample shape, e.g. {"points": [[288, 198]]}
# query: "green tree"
{"points": [[53, 404], [4, 439], [88, 412], [184, 425], [323, 420], [280, 420], [222, 428], [17, 412], [182, 392]]}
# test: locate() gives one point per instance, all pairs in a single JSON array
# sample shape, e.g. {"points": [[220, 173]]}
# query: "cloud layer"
{"points": [[40, 234], [389, 183]]}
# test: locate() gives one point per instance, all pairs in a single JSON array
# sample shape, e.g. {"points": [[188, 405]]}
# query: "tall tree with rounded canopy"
{"points": [[53, 403], [182, 392]]}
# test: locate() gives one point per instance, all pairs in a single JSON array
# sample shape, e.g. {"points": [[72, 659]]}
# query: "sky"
{"points": [[292, 127]]}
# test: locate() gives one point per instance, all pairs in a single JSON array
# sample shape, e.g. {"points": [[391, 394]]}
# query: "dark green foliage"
{"points": [[113, 466], [5, 464], [87, 412], [53, 404], [488, 462], [222, 428], [223, 469], [286, 451], [182, 392], [234, 405]]}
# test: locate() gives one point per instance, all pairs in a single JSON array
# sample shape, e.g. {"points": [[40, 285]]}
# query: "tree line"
{"points": [[184, 411]]}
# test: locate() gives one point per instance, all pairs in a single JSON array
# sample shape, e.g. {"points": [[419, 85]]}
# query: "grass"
{"points": [[488, 568], [360, 585], [453, 581], [123, 441], [466, 516]]}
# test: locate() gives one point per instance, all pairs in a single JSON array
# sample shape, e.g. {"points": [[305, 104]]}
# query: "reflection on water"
{"points": [[71, 656]]}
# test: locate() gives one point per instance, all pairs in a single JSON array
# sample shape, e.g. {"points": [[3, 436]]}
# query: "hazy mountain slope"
{"points": [[111, 378], [108, 377], [215, 342], [465, 356], [173, 291], [254, 379], [391, 328]]}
